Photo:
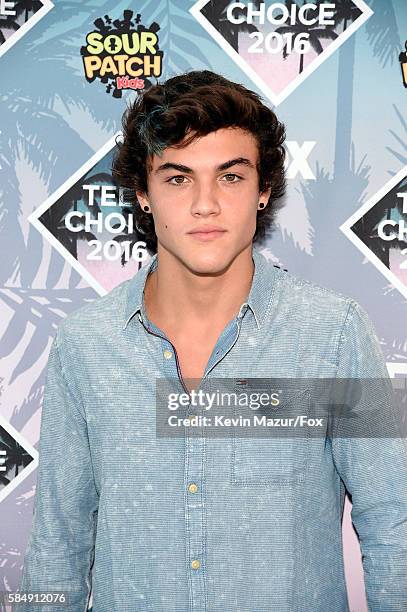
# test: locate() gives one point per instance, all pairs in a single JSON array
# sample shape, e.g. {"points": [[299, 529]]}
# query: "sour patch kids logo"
{"points": [[123, 53]]}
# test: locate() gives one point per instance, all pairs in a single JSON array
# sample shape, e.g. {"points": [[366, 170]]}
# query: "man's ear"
{"points": [[265, 195], [142, 198]]}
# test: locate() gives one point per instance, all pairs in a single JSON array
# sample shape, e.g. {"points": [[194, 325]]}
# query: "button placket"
{"points": [[194, 477], [194, 514], [195, 448]]}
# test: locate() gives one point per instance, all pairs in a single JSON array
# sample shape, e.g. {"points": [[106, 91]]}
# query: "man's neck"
{"points": [[177, 298]]}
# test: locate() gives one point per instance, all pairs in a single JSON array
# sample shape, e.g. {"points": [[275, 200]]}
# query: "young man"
{"points": [[193, 523]]}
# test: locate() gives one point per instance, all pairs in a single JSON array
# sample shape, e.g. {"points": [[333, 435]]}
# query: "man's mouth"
{"points": [[207, 233]]}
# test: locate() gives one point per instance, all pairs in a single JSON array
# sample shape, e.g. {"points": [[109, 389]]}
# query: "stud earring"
{"points": [[262, 204], [146, 208]]}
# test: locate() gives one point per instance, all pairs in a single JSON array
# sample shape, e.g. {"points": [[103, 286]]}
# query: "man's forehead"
{"points": [[234, 142]]}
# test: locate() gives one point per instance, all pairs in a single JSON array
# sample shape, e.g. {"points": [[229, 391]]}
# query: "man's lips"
{"points": [[207, 233], [207, 228]]}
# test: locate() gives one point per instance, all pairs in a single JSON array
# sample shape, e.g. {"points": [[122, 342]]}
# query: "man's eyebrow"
{"points": [[181, 168]]}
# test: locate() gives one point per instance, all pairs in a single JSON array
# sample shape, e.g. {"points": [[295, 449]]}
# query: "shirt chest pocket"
{"points": [[272, 452]]}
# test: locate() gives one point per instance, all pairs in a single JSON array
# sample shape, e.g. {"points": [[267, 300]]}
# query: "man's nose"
{"points": [[205, 200]]}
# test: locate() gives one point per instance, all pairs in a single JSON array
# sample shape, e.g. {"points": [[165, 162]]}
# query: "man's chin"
{"points": [[208, 262], [211, 259]]}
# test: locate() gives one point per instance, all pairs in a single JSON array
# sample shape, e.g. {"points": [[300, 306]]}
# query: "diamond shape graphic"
{"points": [[278, 45], [17, 18], [379, 230], [89, 222], [398, 369], [17, 458]]}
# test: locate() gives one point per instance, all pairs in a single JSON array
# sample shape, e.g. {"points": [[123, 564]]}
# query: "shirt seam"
{"points": [[76, 401], [271, 296], [348, 318], [342, 336]]}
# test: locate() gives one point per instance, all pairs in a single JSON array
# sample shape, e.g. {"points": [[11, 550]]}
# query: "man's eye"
{"points": [[231, 174], [178, 176], [181, 182]]}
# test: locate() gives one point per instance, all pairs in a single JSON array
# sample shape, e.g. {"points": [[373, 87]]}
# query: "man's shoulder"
{"points": [[104, 314], [306, 297]]}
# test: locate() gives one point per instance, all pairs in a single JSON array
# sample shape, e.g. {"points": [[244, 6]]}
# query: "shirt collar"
{"points": [[258, 300]]}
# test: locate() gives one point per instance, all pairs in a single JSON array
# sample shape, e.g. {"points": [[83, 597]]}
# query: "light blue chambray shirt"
{"points": [[258, 532]]}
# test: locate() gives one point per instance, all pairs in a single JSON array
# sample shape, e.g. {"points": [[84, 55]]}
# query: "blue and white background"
{"points": [[66, 231]]}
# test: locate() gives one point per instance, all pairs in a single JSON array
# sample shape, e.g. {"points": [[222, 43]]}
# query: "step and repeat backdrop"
{"points": [[334, 72]]}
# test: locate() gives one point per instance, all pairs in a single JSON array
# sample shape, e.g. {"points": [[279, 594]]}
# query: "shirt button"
{"points": [[192, 488], [196, 564], [167, 354]]}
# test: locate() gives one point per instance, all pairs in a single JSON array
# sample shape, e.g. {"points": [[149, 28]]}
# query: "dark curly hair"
{"points": [[199, 101]]}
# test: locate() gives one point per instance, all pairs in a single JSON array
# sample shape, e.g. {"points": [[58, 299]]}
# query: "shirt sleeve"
{"points": [[60, 549], [374, 468]]}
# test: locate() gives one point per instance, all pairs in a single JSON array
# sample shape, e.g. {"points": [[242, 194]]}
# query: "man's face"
{"points": [[212, 182]]}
